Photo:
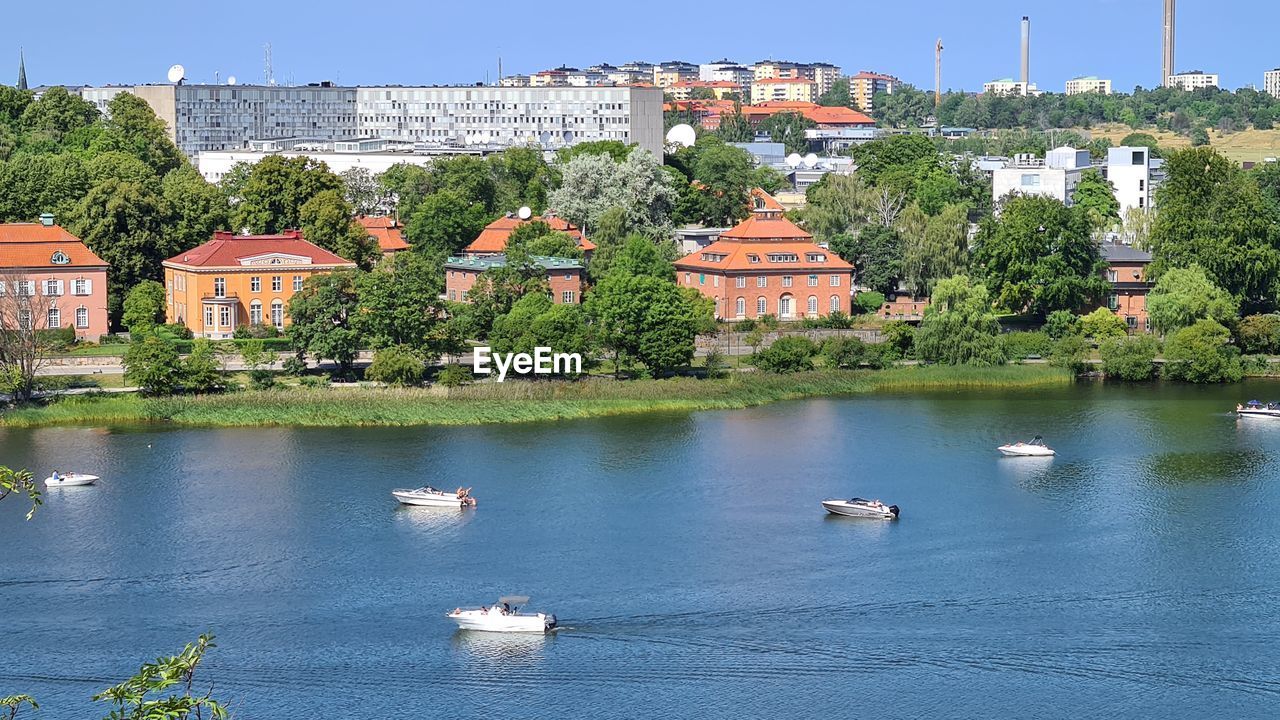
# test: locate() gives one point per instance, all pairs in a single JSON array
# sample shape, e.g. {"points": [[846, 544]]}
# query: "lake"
{"points": [[686, 556]]}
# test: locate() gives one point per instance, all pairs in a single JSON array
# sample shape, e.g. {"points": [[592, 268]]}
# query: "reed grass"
{"points": [[512, 401]]}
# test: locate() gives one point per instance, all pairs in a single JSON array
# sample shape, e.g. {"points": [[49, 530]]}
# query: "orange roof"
{"points": [[766, 225], [767, 201], [725, 255], [386, 230], [820, 114], [493, 239], [33, 245], [228, 250]]}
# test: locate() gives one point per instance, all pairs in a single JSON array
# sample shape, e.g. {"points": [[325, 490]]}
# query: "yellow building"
{"points": [[1091, 84], [784, 89]]}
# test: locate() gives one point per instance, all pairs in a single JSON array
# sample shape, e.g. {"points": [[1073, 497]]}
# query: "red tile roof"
{"points": [[32, 245], [727, 255], [767, 201], [386, 230], [227, 250], [493, 239], [766, 225]]}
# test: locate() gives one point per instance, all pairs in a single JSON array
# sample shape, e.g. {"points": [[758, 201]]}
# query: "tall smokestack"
{"points": [[1026, 52], [1167, 66]]}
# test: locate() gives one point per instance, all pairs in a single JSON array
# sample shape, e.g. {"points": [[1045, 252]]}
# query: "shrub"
{"points": [[241, 333], [716, 365], [177, 331], [851, 352], [1259, 334], [294, 365], [259, 330], [1061, 323], [313, 381], [788, 354], [262, 379], [868, 302], [200, 370], [1022, 345], [1070, 352], [152, 364], [1256, 365], [1131, 359], [58, 340], [899, 339], [838, 320], [454, 376], [745, 326], [396, 365], [1102, 324], [1199, 353], [768, 323]]}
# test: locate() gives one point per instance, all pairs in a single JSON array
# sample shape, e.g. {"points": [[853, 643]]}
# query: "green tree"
{"points": [[788, 354], [201, 372], [143, 696], [57, 115], [876, 255], [144, 307], [196, 208], [444, 223], [400, 306], [788, 128], [1259, 334], [35, 184], [132, 126], [11, 704], [21, 482], [534, 321], [1183, 295], [1200, 353], [640, 256], [363, 193], [1096, 196], [958, 326], [1061, 323], [615, 150], [724, 175], [523, 178], [1199, 137], [850, 353], [469, 177], [396, 365], [595, 183], [837, 95], [321, 316], [406, 186], [640, 318], [1102, 324], [271, 197], [933, 248], [836, 205], [1140, 139], [1131, 359], [152, 365], [734, 127], [905, 107], [612, 230], [118, 165], [326, 220], [124, 224], [1070, 352], [1039, 256]]}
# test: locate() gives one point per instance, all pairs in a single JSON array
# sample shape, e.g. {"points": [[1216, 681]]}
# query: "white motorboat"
{"points": [[857, 507], [1253, 408], [69, 479], [503, 616], [1034, 448], [431, 497]]}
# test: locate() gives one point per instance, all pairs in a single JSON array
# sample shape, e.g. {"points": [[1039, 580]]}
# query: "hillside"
{"points": [[1245, 145]]}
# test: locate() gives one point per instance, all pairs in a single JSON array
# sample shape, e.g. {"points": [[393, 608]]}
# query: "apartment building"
{"points": [[1130, 170], [675, 71], [1090, 84], [1271, 82], [1055, 176], [784, 90], [1010, 87], [1193, 80], [864, 86]]}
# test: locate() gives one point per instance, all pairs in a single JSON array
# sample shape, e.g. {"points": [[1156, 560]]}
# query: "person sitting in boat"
{"points": [[506, 609], [57, 476]]}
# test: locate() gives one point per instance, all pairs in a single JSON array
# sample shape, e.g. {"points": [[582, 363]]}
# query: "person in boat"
{"points": [[506, 609], [57, 476]]}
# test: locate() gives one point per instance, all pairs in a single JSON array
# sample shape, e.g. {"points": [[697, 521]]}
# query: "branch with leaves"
{"points": [[141, 697], [21, 482], [9, 706]]}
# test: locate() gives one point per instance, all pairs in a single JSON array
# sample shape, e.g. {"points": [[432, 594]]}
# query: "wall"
{"points": [[726, 292], [199, 285]]}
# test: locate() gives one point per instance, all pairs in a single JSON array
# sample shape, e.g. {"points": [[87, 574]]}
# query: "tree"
{"points": [[1061, 323], [1096, 196], [958, 326], [119, 165], [788, 128], [1200, 353], [1259, 334], [132, 126], [1183, 295], [1199, 137], [1102, 324], [152, 364], [1070, 352], [25, 337], [469, 177], [645, 319], [144, 307], [21, 482], [1131, 359], [639, 256], [124, 224], [400, 306], [1140, 139], [272, 195], [57, 114], [734, 127], [196, 208], [10, 705], [596, 183], [396, 365], [792, 353], [326, 221], [878, 157], [321, 316], [444, 223], [615, 150], [933, 248], [523, 178], [200, 369], [724, 175], [837, 95], [1039, 256], [141, 697], [363, 193], [876, 255], [905, 107], [35, 184], [836, 205], [851, 353], [534, 321], [254, 354], [405, 187]]}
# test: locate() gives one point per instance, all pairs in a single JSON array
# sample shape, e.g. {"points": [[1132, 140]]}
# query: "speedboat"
{"points": [[1034, 448], [69, 479], [857, 507], [432, 497], [503, 616], [1253, 408]]}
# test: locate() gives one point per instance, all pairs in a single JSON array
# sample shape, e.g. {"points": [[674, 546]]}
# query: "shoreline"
{"points": [[489, 404]]}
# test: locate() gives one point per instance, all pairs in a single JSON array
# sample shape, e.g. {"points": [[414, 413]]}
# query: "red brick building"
{"points": [[56, 281], [493, 239], [1127, 273], [564, 276], [768, 266], [386, 230]]}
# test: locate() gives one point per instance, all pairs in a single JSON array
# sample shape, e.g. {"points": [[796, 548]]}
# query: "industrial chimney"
{"points": [[1026, 52], [1167, 66]]}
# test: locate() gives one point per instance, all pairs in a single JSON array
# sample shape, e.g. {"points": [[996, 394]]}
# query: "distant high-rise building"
{"points": [[1167, 66], [1271, 82], [1193, 80], [864, 86], [1090, 84]]}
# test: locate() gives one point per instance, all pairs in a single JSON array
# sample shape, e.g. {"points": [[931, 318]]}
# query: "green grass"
{"points": [[509, 402]]}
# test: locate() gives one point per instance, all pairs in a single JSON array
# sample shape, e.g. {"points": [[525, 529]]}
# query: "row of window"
{"points": [[255, 284], [255, 315], [786, 307], [761, 280], [53, 318], [51, 288]]}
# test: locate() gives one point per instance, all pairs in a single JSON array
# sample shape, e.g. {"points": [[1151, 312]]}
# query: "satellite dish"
{"points": [[793, 160], [682, 135], [811, 160], [177, 73], [231, 79], [524, 213]]}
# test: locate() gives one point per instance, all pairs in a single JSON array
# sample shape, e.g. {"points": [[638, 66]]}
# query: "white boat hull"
{"points": [[421, 499], [848, 509], [1259, 413], [494, 621], [1024, 450], [71, 480]]}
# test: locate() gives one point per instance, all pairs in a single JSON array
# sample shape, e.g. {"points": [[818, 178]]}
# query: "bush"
{"points": [[899, 339], [838, 320], [294, 365], [143, 307], [1256, 365], [201, 372], [58, 340], [1199, 353], [851, 352], [768, 323], [152, 364], [1061, 323], [1131, 359], [1022, 345], [396, 365], [113, 339], [454, 376], [1259, 334], [259, 331], [1102, 324], [868, 302], [716, 365], [177, 331], [1070, 352], [788, 354], [745, 326], [262, 379], [313, 381]]}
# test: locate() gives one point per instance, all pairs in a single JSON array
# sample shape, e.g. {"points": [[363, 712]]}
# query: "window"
{"points": [[1141, 202], [81, 286], [24, 318], [785, 309], [815, 257], [277, 283], [1132, 322], [53, 319], [1113, 301], [219, 287], [702, 278], [835, 303], [255, 312], [715, 281], [740, 281], [1111, 276], [224, 316], [82, 317], [566, 297], [297, 283], [812, 307], [255, 284], [688, 278], [52, 288], [26, 288], [753, 258], [786, 281], [208, 316], [1030, 180], [1142, 184], [813, 281], [762, 306], [762, 281], [1139, 157], [740, 307], [453, 294], [835, 281], [783, 257], [277, 313]]}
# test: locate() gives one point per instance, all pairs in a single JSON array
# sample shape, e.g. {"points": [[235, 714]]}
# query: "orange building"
{"points": [[386, 230], [493, 239], [235, 280], [564, 276], [768, 266], [66, 283]]}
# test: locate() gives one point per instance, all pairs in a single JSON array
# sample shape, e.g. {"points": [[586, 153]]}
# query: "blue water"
{"points": [[687, 557]]}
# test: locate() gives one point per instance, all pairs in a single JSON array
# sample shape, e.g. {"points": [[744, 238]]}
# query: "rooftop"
{"points": [[493, 238], [32, 245], [1124, 253], [487, 262], [228, 250]]}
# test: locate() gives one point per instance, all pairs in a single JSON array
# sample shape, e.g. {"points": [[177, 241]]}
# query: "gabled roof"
{"points": [[493, 239], [768, 224], [480, 264], [386, 230], [764, 201], [33, 245], [730, 255], [228, 250]]}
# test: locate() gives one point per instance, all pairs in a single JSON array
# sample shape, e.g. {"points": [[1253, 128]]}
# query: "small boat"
{"points": [[1253, 408], [503, 616], [858, 507], [1034, 448], [69, 479], [431, 497]]}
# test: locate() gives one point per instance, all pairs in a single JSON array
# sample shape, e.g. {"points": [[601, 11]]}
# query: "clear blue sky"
{"points": [[440, 42]]}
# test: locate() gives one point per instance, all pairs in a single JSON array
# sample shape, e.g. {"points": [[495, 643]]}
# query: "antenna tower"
{"points": [[267, 75]]}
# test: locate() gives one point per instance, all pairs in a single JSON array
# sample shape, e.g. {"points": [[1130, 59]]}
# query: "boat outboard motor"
{"points": [[894, 509]]}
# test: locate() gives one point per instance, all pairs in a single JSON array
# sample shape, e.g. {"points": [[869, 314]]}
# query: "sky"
{"points": [[429, 42]]}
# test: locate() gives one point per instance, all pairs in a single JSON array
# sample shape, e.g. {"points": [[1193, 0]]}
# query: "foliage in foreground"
{"points": [[21, 482], [142, 697]]}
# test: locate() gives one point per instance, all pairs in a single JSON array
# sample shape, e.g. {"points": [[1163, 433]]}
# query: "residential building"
{"points": [[731, 72], [492, 240], [1090, 84], [514, 81], [633, 73], [1130, 170], [784, 89], [1271, 82], [1193, 80], [823, 74], [864, 86], [693, 238], [215, 164], [1009, 86], [386, 230], [559, 77], [235, 280], [1127, 273], [1055, 176], [564, 276], [904, 306], [766, 265], [776, 70], [676, 71], [720, 89], [63, 282], [708, 72], [587, 78]]}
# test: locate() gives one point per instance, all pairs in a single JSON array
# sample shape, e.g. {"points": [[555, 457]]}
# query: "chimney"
{"points": [[1026, 53], [46, 219], [1167, 65]]}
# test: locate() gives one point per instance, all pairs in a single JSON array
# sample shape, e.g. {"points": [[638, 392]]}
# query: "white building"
{"points": [[1055, 176], [1090, 84], [215, 164], [1133, 173], [1271, 82], [1009, 86], [727, 71], [1193, 80]]}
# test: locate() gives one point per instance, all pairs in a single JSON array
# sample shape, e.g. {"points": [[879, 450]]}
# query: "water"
{"points": [[686, 555]]}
